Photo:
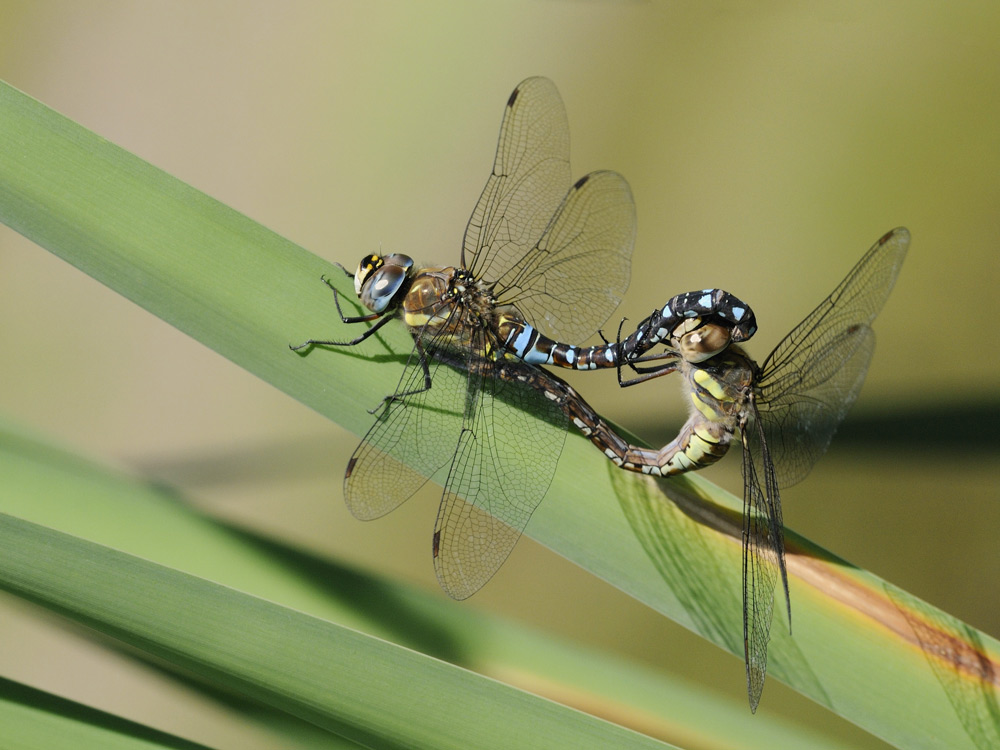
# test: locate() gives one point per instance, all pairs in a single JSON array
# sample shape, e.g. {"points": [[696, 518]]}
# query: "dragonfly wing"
{"points": [[800, 421], [412, 438], [511, 440], [763, 554], [575, 276], [530, 177], [856, 301], [815, 373], [546, 245]]}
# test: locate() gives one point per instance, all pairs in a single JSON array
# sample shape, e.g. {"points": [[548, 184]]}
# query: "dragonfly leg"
{"points": [[646, 373], [627, 354], [318, 342], [345, 319], [413, 391], [336, 301], [346, 272]]}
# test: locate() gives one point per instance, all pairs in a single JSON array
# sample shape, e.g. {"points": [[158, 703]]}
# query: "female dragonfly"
{"points": [[785, 412], [536, 248]]}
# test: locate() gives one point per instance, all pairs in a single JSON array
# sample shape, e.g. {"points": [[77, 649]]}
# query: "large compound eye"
{"points": [[368, 265], [382, 286], [704, 342], [398, 259]]}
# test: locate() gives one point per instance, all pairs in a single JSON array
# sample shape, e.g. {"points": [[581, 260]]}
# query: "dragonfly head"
{"points": [[712, 322], [379, 279], [703, 341]]}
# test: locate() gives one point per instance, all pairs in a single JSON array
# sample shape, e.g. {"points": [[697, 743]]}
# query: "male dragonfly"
{"points": [[537, 248]]}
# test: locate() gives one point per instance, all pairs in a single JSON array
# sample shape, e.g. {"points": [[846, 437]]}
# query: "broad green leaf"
{"points": [[356, 686], [52, 487], [246, 293]]}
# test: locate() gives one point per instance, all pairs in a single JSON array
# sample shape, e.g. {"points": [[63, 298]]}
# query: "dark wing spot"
{"points": [[350, 467], [513, 96], [581, 182], [437, 541]]}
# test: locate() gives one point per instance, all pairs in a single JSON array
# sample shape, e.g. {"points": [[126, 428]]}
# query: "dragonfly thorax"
{"points": [[381, 278], [447, 304], [720, 387], [462, 281]]}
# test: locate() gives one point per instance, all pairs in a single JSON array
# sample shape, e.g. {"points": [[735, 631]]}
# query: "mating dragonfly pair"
{"points": [[542, 251]]}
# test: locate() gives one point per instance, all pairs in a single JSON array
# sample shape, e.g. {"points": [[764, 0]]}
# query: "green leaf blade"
{"points": [[248, 293], [353, 685]]}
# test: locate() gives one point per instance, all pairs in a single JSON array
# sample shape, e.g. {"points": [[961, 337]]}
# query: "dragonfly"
{"points": [[537, 248], [784, 411]]}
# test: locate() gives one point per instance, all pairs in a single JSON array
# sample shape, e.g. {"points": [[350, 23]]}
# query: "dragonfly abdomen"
{"points": [[699, 443], [527, 343], [681, 323], [717, 394], [702, 440]]}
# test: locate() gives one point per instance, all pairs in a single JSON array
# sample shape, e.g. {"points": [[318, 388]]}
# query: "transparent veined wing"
{"points": [[412, 438], [799, 424], [561, 253], [577, 273], [510, 443], [529, 180], [510, 436], [812, 377], [763, 551]]}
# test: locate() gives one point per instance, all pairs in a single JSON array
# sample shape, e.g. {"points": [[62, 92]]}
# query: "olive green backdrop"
{"points": [[767, 150]]}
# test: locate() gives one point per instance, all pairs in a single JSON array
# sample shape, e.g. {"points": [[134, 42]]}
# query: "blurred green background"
{"points": [[767, 149]]}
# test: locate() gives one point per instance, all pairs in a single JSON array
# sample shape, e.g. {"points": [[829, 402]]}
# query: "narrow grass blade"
{"points": [[32, 718], [351, 684], [53, 487]]}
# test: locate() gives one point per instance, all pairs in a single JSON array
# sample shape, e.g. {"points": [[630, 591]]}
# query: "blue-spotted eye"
{"points": [[382, 287], [380, 278]]}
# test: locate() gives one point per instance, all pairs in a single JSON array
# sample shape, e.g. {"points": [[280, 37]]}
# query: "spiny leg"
{"points": [[381, 317], [422, 354], [645, 373]]}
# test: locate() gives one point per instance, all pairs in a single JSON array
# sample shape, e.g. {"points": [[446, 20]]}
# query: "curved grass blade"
{"points": [[41, 482], [33, 718], [351, 684]]}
